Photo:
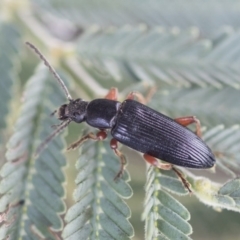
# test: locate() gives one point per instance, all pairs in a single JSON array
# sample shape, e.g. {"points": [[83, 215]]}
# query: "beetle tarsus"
{"points": [[123, 163], [183, 179]]}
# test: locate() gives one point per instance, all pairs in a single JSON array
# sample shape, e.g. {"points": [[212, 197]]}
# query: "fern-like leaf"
{"points": [[183, 14], [224, 142], [165, 217], [99, 211], [178, 59], [9, 44], [166, 223], [35, 183], [208, 104], [216, 195]]}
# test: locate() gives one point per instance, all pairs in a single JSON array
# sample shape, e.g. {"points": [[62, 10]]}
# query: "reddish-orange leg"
{"points": [[167, 166], [140, 97], [185, 121], [101, 135], [112, 94], [153, 161], [123, 161]]}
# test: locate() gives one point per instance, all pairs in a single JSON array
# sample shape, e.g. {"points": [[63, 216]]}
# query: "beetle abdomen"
{"points": [[148, 131]]}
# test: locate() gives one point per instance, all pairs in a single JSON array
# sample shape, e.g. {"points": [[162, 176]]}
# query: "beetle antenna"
{"points": [[50, 137], [52, 114], [55, 126], [60, 81]]}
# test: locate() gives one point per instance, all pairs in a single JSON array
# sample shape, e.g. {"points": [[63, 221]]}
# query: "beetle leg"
{"points": [[101, 135], [153, 161], [140, 97], [184, 181], [185, 121], [167, 166], [112, 94], [123, 161]]}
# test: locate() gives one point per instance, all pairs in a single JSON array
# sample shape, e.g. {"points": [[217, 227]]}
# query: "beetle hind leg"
{"points": [[123, 161], [167, 166], [153, 161], [183, 179], [185, 121]]}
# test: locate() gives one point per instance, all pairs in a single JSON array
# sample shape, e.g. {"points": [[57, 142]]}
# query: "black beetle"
{"points": [[137, 126]]}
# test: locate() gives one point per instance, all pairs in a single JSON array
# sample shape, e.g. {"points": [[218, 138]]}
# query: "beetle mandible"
{"points": [[137, 126]]}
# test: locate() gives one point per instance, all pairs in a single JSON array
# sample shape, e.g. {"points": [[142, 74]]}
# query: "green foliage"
{"points": [[184, 48], [165, 217], [99, 206], [174, 57], [36, 181], [9, 42], [208, 16]]}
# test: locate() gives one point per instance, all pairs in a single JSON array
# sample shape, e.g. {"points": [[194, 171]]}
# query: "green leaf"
{"points": [[183, 14], [31, 186], [207, 104], [224, 143], [179, 59], [99, 203], [216, 195], [165, 217], [9, 55]]}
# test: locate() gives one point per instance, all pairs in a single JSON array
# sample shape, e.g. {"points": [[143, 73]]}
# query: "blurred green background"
{"points": [[190, 50]]}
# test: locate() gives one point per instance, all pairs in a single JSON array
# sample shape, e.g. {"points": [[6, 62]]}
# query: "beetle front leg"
{"points": [[167, 166], [101, 135], [123, 161], [185, 121]]}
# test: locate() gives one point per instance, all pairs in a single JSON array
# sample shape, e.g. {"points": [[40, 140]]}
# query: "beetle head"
{"points": [[74, 111]]}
